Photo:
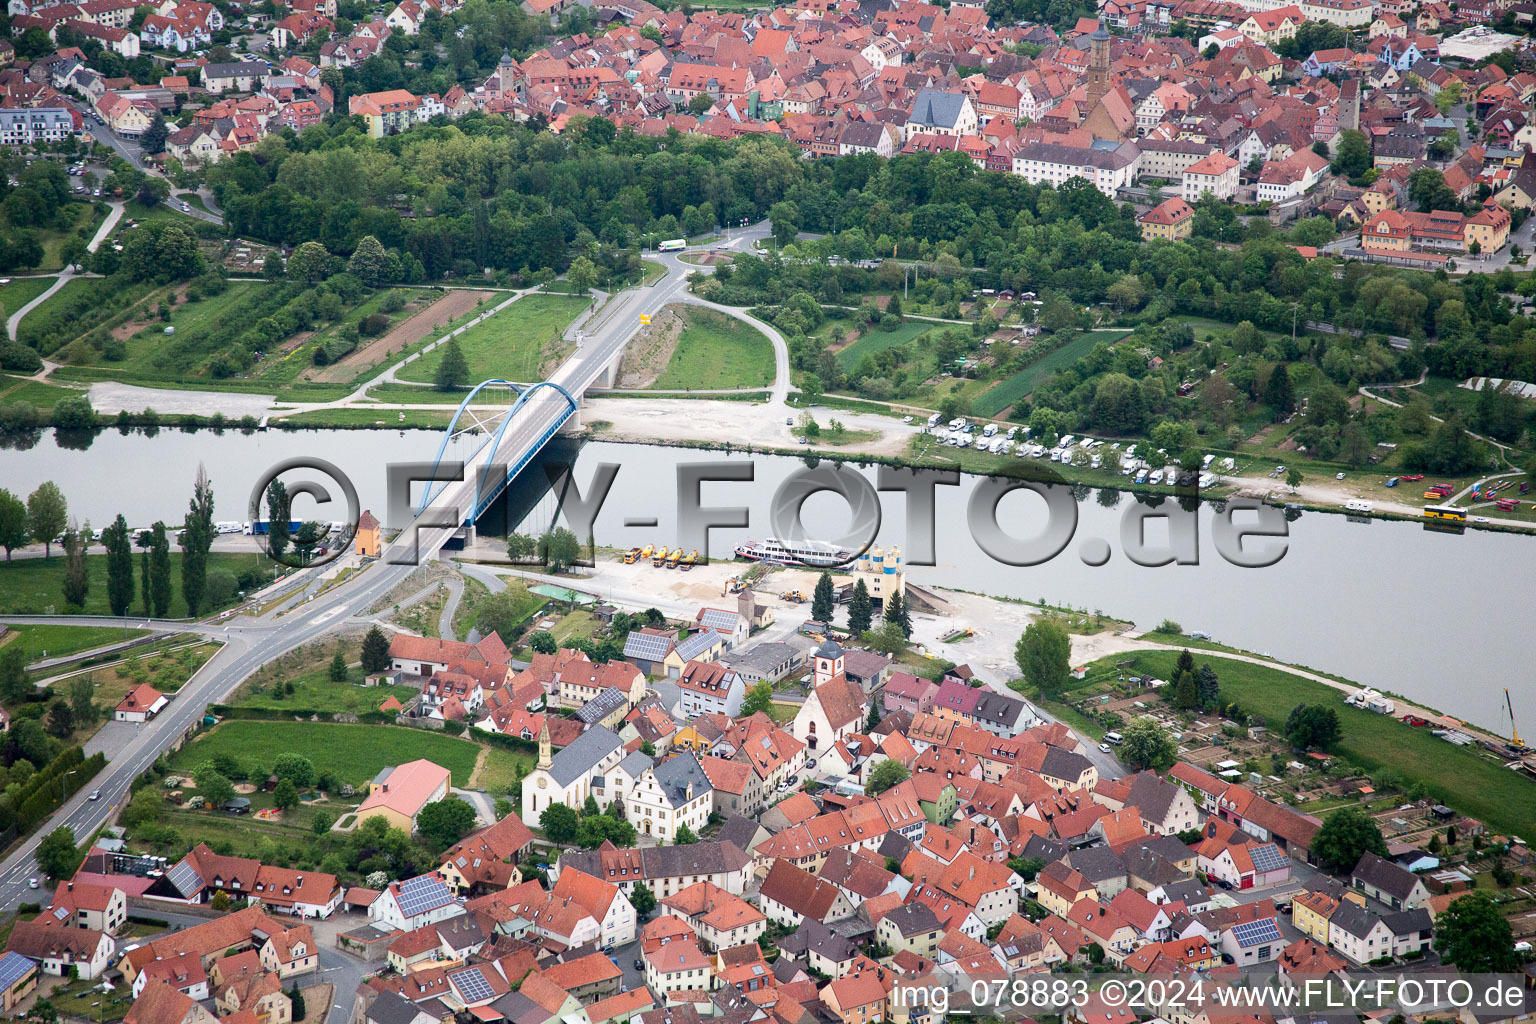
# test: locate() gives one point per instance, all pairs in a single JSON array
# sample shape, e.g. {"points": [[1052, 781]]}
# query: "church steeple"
{"points": [[1098, 66], [545, 758]]}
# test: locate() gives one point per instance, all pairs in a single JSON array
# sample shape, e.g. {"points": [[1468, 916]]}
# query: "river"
{"points": [[1386, 604]]}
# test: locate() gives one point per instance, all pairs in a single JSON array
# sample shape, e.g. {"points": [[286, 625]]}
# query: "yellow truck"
{"points": [[645, 553], [675, 557], [793, 596], [631, 555], [689, 560], [659, 558]]}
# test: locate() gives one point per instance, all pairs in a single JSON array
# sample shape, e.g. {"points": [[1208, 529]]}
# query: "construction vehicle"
{"points": [[674, 558], [732, 586], [659, 558], [645, 553], [689, 560], [1514, 730], [631, 555], [793, 596]]}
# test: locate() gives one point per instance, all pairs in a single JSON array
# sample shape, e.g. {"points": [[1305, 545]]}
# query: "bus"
{"points": [[1450, 512], [672, 245]]}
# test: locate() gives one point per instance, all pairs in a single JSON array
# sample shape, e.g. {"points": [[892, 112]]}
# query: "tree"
{"points": [[338, 671], [370, 262], [13, 522], [279, 516], [1345, 835], [1207, 683], [153, 139], [160, 569], [1312, 727], [684, 837], [860, 609], [15, 685], [1354, 445], [598, 829], [47, 515], [759, 699], [119, 566], [582, 275], [445, 822], [1293, 478], [642, 899], [61, 720], [559, 549], [57, 855], [82, 700], [296, 1001], [896, 611], [214, 787], [76, 583], [309, 263], [375, 651], [453, 370], [196, 539], [1044, 656], [501, 613], [1473, 934], [1278, 393], [296, 768], [502, 807], [822, 599], [701, 104], [1148, 745], [320, 823], [543, 642], [559, 823], [220, 901], [521, 547], [1184, 693], [285, 796], [887, 773], [1354, 157]]}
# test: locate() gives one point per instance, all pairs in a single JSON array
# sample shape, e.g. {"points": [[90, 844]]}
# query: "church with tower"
{"points": [[1108, 113]]}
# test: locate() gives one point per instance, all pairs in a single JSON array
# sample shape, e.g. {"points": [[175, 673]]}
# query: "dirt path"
{"points": [[408, 332], [474, 776]]}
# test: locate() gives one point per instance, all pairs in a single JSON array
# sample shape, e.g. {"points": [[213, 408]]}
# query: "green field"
{"points": [[362, 416], [56, 641], [34, 392], [34, 586], [875, 340], [718, 351], [84, 226], [511, 345], [353, 753], [71, 287], [316, 691], [1460, 777], [21, 291], [1013, 389]]}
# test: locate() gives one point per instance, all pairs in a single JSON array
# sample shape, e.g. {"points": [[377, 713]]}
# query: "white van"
{"points": [[933, 420], [1141, 476], [1114, 739], [989, 430]]}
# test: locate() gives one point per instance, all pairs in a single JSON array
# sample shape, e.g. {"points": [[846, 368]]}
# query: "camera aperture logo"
{"points": [[302, 543]]}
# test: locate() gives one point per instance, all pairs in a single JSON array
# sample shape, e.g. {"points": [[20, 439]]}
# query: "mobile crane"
{"points": [[1514, 729]]}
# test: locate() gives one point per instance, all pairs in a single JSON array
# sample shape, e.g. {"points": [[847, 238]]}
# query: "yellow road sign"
{"points": [[645, 318]]}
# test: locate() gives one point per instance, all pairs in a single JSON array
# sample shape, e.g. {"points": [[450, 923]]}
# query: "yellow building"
{"points": [[1310, 914], [398, 794], [1172, 219], [1488, 228], [368, 535]]}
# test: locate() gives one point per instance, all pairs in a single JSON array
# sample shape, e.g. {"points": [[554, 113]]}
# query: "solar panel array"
{"points": [[716, 618], [1267, 857], [14, 967], [695, 645], [421, 894], [1252, 933], [473, 985], [646, 646], [185, 878]]}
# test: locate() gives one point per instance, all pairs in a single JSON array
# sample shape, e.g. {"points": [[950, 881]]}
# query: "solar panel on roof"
{"points": [[473, 984], [14, 967], [185, 878], [422, 893], [1252, 933], [1267, 857], [646, 646]]}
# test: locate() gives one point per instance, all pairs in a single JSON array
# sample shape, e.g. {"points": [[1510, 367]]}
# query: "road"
{"points": [[114, 215], [249, 643]]}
